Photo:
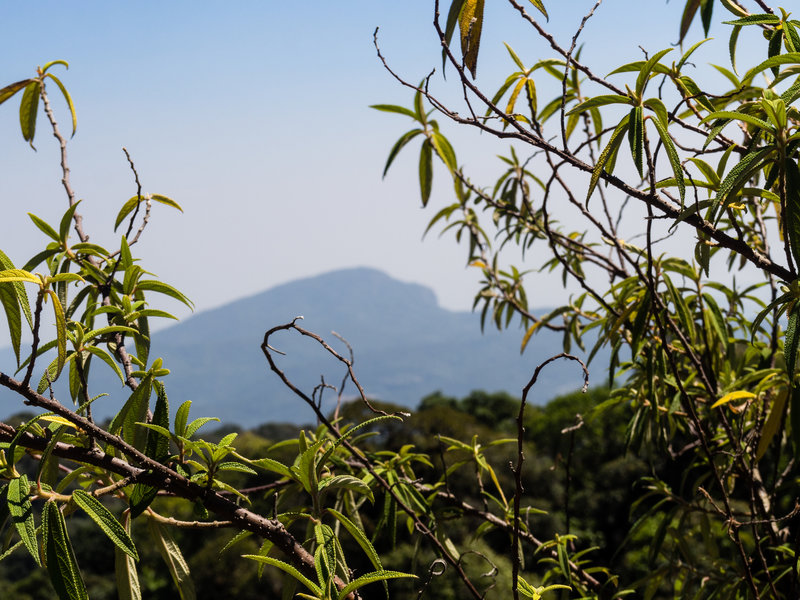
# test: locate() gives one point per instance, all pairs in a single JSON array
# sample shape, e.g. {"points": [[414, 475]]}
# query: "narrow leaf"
{"points": [[9, 91], [61, 564], [172, 556], [287, 568], [128, 587], [28, 109], [470, 22], [106, 522], [21, 511], [425, 171], [729, 397], [68, 99]]}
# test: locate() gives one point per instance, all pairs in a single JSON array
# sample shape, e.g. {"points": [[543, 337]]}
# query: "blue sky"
{"points": [[254, 117]]}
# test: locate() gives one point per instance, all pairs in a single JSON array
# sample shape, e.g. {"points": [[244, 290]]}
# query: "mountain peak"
{"points": [[405, 346]]}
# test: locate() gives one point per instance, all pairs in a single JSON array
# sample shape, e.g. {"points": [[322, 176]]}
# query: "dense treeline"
{"points": [[577, 475]]}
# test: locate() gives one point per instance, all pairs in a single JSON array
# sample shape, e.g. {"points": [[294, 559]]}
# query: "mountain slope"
{"points": [[405, 346]]}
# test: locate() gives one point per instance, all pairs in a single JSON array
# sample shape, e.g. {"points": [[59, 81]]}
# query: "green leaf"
{"points": [[794, 414], [61, 564], [141, 497], [775, 61], [197, 424], [657, 106], [172, 556], [134, 410], [647, 70], [347, 482], [425, 171], [540, 7], [450, 27], [126, 209], [514, 57], [47, 65], [163, 288], [236, 539], [274, 466], [608, 151], [10, 302], [19, 289], [372, 578], [689, 12], [66, 277], [287, 568], [772, 424], [28, 109], [739, 175], [793, 207], [181, 418], [106, 358], [158, 445], [750, 119], [63, 228], [19, 507], [636, 138], [166, 201], [444, 150], [61, 332], [792, 341], [106, 522], [128, 587], [9, 91], [44, 227], [399, 145], [391, 108], [470, 21], [672, 154], [599, 101], [362, 540], [761, 19], [67, 98]]}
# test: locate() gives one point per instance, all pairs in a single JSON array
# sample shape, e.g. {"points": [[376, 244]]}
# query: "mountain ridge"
{"points": [[405, 346]]}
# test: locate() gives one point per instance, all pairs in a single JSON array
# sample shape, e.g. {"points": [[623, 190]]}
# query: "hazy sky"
{"points": [[254, 117]]}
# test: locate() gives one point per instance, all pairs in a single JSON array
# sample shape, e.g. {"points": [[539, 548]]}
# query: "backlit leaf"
{"points": [[172, 556], [729, 397], [470, 22], [61, 564], [128, 587]]}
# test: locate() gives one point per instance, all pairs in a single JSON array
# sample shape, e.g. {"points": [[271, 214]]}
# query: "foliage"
{"points": [[707, 365], [707, 399]]}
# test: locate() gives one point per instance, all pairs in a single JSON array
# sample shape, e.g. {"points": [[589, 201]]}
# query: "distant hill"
{"points": [[406, 346]]}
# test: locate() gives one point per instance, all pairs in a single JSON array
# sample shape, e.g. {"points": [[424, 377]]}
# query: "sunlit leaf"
{"points": [[729, 397], [286, 568], [470, 21], [106, 521], [16, 494], [28, 109], [68, 100]]}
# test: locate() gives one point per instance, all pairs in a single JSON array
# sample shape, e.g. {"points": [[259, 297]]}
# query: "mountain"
{"points": [[405, 346]]}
